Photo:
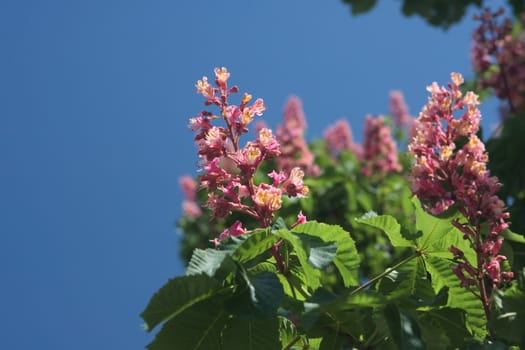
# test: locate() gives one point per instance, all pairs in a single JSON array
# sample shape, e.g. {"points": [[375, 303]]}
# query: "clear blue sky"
{"points": [[94, 101]]}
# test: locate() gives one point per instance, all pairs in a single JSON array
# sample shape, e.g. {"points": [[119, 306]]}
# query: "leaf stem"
{"points": [[384, 273]]}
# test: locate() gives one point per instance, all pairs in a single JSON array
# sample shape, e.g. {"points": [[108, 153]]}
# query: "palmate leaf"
{"points": [[242, 334], [439, 233], [259, 242], [458, 297], [310, 275], [197, 328], [257, 297], [409, 282], [390, 226], [346, 259], [320, 254], [209, 261], [176, 296]]}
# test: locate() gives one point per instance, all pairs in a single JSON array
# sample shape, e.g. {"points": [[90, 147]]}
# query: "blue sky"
{"points": [[95, 97]]}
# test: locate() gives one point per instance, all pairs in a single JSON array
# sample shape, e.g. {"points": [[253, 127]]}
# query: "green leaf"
{"points": [[176, 296], [433, 228], [241, 334], [287, 331], [309, 273], [458, 297], [331, 341], [390, 226], [403, 328], [266, 293], [509, 315], [256, 244], [206, 261], [409, 282], [439, 234], [443, 328], [196, 328], [346, 259], [259, 298], [366, 298], [321, 253]]}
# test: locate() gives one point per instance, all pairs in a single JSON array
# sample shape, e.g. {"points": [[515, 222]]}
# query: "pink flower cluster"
{"points": [[290, 135], [228, 169], [379, 148], [338, 137], [399, 110], [450, 169], [190, 207], [499, 58]]}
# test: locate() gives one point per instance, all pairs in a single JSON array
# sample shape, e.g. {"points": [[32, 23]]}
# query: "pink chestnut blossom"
{"points": [[399, 110], [379, 148], [338, 137], [444, 175], [290, 134], [227, 169]]}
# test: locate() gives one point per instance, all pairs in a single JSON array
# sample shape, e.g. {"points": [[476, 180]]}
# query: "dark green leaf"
{"points": [[509, 314], [458, 297], [361, 6], [197, 328], [403, 328], [242, 334], [176, 296], [332, 341], [259, 298], [443, 328], [206, 261]]}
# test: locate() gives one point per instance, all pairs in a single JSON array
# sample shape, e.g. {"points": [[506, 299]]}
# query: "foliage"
{"points": [[440, 13], [375, 249]]}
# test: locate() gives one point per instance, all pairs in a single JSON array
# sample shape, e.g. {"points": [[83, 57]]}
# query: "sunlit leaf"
{"points": [[409, 282], [346, 259], [256, 244], [310, 274], [390, 226], [321, 254]]}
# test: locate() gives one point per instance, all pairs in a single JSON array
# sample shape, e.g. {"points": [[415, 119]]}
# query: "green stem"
{"points": [[384, 273], [292, 343]]}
